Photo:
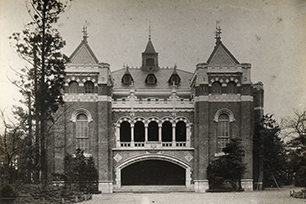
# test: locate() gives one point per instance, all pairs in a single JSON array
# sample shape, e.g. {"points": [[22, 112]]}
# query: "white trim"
{"points": [[88, 97], [144, 157], [166, 110], [81, 111], [223, 98], [224, 111]]}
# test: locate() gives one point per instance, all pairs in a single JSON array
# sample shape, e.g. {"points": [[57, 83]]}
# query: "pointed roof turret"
{"points": [[150, 48], [150, 56]]}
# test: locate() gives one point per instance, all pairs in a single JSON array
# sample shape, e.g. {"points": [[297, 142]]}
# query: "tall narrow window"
{"points": [[73, 87], [82, 133], [88, 87], [216, 88], [231, 88], [125, 132], [153, 131], [223, 132], [167, 131], [139, 132], [180, 131]]}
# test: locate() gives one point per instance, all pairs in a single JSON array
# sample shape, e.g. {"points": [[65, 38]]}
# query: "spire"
{"points": [[150, 47], [218, 33], [85, 34], [149, 30]]}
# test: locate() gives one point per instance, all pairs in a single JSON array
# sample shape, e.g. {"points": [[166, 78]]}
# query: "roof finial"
{"points": [[218, 32], [149, 30], [85, 34]]}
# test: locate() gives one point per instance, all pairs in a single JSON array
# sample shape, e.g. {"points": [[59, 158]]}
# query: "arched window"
{"points": [[82, 133], [223, 131], [88, 87], [216, 88], [153, 131], [125, 132], [73, 87], [180, 131], [167, 131], [151, 79], [231, 88], [139, 132], [150, 62]]}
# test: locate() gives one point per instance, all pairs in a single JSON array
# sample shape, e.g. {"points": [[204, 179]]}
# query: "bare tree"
{"points": [[295, 135]]}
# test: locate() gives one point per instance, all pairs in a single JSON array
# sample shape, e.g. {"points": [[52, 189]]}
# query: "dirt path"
{"points": [[269, 196]]}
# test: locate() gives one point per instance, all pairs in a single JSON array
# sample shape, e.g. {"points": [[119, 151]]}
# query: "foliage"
{"points": [[80, 170], [228, 167], [12, 145], [42, 80], [295, 133], [272, 152]]}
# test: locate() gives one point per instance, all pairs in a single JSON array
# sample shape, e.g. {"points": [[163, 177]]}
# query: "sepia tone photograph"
{"points": [[151, 101]]}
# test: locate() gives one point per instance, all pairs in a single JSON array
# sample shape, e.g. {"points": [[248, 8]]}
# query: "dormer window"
{"points": [[127, 79], [151, 79], [174, 79]]}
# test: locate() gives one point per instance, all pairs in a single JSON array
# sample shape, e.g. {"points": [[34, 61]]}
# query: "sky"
{"points": [[269, 34]]}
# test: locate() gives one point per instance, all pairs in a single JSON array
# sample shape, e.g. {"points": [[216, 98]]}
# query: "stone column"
{"points": [[132, 135], [117, 126], [146, 132], [173, 135], [160, 133], [188, 134]]}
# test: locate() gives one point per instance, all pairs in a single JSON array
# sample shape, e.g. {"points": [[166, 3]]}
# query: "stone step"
{"points": [[153, 189]]}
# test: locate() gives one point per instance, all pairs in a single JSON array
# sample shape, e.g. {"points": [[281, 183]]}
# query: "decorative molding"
{"points": [[188, 157], [167, 110], [223, 98], [86, 98], [224, 111], [117, 157], [81, 111]]}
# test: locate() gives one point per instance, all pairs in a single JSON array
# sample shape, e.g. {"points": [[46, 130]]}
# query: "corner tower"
{"points": [[223, 110]]}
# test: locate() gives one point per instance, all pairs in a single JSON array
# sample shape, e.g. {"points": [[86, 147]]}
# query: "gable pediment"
{"points": [[221, 56], [83, 55]]}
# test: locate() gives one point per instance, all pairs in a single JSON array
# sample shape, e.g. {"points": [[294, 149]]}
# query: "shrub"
{"points": [[228, 168]]}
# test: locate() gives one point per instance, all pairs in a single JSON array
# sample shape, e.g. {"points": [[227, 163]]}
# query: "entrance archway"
{"points": [[153, 172]]}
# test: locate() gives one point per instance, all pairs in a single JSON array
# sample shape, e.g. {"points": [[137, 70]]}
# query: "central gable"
{"points": [[222, 56], [83, 55]]}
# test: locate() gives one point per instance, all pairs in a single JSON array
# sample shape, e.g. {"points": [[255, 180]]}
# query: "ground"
{"points": [[268, 196]]}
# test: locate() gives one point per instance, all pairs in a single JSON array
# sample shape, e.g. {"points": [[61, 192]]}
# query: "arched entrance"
{"points": [[153, 172], [142, 172]]}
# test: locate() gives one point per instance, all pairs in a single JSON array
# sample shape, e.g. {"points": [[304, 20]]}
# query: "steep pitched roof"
{"points": [[83, 55], [150, 48], [221, 56]]}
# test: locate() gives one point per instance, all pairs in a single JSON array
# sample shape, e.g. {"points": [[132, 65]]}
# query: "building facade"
{"points": [[152, 128]]}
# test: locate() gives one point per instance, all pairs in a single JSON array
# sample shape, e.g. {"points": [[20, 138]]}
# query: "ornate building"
{"points": [[153, 128]]}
